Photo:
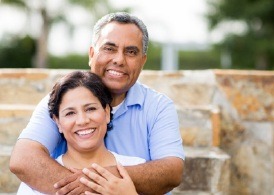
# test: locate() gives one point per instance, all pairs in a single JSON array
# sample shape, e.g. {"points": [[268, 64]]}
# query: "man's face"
{"points": [[118, 56]]}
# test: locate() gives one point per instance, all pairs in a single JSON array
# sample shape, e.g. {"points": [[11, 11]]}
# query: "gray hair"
{"points": [[124, 18]]}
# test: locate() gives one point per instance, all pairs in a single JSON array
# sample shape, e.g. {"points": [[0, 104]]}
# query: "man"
{"points": [[145, 123]]}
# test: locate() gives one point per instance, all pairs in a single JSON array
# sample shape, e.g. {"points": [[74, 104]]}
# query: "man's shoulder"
{"points": [[147, 89], [152, 93]]}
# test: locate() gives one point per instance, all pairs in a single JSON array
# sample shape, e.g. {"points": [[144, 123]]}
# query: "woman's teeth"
{"points": [[85, 132]]}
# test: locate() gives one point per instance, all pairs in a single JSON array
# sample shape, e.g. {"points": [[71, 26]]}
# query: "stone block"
{"points": [[13, 119], [251, 93], [27, 86], [183, 87], [200, 125], [207, 171], [9, 183]]}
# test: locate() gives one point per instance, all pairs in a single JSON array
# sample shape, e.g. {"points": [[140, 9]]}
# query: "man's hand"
{"points": [[104, 182], [71, 184]]}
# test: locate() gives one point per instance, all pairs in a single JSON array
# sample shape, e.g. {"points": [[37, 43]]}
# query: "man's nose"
{"points": [[119, 58]]}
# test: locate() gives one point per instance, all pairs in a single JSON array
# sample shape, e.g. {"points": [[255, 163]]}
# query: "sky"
{"points": [[173, 21], [176, 21]]}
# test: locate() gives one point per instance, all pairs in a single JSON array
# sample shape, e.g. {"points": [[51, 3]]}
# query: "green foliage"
{"points": [[17, 52], [253, 48], [188, 60], [72, 61], [20, 3], [198, 60], [153, 57], [94, 8]]}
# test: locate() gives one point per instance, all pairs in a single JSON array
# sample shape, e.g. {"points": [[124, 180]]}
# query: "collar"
{"points": [[135, 95]]}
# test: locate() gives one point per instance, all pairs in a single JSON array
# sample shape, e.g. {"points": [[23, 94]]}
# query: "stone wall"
{"points": [[226, 116], [246, 103]]}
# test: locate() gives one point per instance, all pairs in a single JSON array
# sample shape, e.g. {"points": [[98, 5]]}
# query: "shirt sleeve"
{"points": [[164, 137], [41, 127]]}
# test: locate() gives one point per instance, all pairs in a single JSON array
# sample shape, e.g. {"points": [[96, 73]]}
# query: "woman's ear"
{"points": [[56, 119]]}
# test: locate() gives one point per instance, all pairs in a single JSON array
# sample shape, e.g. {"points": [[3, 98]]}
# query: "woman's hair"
{"points": [[79, 79]]}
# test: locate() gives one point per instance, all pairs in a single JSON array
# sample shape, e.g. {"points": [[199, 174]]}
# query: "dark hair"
{"points": [[123, 18], [79, 79]]}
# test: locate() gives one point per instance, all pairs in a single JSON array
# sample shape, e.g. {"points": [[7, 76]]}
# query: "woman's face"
{"points": [[82, 119]]}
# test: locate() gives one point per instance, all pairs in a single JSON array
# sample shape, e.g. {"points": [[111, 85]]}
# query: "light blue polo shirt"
{"points": [[146, 125]]}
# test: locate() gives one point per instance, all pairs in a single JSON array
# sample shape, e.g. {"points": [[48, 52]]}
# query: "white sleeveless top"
{"points": [[24, 189]]}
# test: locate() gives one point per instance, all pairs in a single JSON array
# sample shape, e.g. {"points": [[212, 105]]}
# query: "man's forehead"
{"points": [[109, 27], [116, 27], [112, 34]]}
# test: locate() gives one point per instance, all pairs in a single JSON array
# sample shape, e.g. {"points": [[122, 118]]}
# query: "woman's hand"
{"points": [[71, 184], [105, 183]]}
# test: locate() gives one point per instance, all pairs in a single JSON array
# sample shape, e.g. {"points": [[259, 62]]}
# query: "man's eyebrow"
{"points": [[133, 48], [127, 48], [110, 44]]}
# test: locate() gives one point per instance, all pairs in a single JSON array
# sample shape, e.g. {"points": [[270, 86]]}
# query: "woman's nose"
{"points": [[82, 119]]}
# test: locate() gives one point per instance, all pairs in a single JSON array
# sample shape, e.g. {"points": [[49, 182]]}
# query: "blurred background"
{"points": [[184, 35]]}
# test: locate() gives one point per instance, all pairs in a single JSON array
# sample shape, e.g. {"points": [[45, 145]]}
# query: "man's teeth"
{"points": [[115, 73], [85, 132]]}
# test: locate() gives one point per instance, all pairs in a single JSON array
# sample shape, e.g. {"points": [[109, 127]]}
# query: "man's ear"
{"points": [[90, 54], [144, 59], [56, 119]]}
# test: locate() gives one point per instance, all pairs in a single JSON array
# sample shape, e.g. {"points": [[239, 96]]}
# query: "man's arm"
{"points": [[32, 164], [157, 176]]}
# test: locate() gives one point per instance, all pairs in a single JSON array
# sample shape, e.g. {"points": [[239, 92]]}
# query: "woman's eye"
{"points": [[91, 109], [69, 113]]}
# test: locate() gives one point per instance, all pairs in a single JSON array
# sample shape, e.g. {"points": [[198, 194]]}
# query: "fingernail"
{"points": [[82, 179], [93, 164]]}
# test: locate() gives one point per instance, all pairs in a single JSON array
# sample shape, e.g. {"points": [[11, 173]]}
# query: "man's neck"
{"points": [[117, 99]]}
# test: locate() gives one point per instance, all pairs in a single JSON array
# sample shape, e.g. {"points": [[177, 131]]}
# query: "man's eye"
{"points": [[132, 52], [108, 49]]}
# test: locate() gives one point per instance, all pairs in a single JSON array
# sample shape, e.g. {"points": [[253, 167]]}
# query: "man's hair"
{"points": [[123, 18]]}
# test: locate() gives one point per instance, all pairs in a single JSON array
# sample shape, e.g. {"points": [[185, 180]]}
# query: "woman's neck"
{"points": [[80, 160]]}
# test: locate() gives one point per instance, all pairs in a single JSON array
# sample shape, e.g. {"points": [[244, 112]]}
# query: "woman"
{"points": [[80, 105]]}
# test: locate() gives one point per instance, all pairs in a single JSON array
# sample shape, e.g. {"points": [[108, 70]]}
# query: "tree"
{"points": [[253, 47], [17, 52], [95, 8]]}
